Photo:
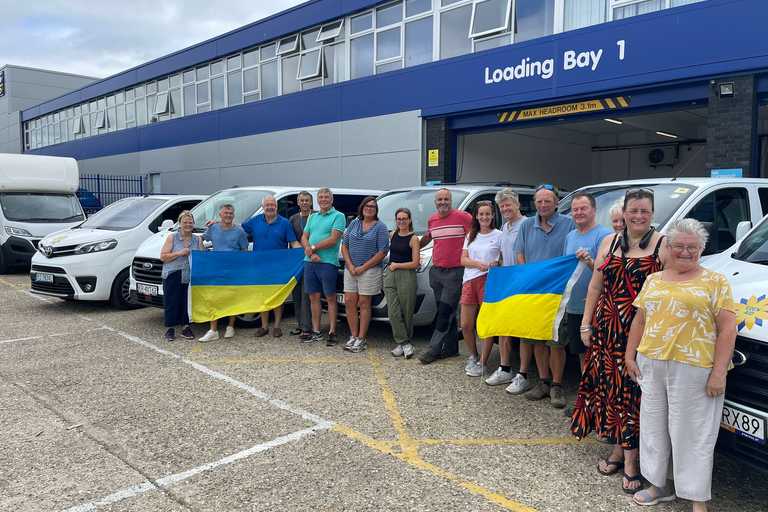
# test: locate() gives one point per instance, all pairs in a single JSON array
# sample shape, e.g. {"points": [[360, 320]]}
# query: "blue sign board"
{"points": [[727, 173]]}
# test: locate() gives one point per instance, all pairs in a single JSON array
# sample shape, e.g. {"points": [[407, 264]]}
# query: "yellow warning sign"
{"points": [[564, 109], [433, 158]]}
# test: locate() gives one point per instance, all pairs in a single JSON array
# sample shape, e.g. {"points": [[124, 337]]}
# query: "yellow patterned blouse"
{"points": [[680, 317]]}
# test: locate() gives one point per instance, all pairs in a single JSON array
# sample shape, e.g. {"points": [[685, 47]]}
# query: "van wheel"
{"points": [[248, 320], [119, 297]]}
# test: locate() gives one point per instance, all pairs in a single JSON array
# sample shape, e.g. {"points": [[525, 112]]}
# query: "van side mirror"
{"points": [[742, 228], [166, 225]]}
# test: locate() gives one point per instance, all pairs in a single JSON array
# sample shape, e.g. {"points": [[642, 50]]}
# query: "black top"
{"points": [[297, 223], [400, 249]]}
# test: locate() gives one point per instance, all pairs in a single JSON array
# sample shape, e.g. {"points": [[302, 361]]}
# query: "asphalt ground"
{"points": [[98, 413]]}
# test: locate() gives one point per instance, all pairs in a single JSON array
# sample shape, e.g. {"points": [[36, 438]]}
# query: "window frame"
{"points": [[330, 34], [318, 66], [496, 30], [279, 51]]}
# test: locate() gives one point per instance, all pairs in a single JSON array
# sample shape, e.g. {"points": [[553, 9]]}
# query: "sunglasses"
{"points": [[639, 192], [545, 186]]}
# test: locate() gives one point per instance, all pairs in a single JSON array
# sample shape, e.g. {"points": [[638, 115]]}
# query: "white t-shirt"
{"points": [[485, 248]]}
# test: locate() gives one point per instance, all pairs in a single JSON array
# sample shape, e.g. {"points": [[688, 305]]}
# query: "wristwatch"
{"points": [[312, 248]]}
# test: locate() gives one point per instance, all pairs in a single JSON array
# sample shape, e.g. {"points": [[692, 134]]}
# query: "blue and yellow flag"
{"points": [[234, 283], [527, 301]]}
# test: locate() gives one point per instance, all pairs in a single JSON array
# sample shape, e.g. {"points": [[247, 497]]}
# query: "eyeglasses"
{"points": [[372, 205], [690, 249], [402, 219]]}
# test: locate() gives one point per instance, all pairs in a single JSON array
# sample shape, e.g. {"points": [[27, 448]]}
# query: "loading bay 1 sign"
{"points": [[564, 109]]}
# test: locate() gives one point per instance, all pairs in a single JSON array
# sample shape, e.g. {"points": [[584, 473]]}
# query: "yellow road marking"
{"points": [[386, 447], [11, 285], [196, 348]]}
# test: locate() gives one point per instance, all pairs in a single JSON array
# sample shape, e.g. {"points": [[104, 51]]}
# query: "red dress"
{"points": [[608, 401]]}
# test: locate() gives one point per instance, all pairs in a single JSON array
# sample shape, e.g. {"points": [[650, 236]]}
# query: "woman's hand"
{"points": [[632, 369], [393, 266], [183, 252], [586, 336], [483, 267], [715, 384]]}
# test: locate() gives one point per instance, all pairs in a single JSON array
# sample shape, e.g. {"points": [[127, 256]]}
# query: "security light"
{"points": [[726, 89]]}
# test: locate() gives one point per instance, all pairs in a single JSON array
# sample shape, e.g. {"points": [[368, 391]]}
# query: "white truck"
{"points": [[37, 197]]}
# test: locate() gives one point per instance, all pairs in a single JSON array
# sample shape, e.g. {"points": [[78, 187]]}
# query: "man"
{"points": [[321, 240], [300, 298], [509, 204], [224, 235], [542, 237], [447, 229], [270, 231], [583, 242]]}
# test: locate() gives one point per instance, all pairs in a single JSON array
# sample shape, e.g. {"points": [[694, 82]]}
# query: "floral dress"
{"points": [[608, 401]]}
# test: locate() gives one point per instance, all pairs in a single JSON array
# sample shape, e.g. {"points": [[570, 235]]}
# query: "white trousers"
{"points": [[677, 418]]}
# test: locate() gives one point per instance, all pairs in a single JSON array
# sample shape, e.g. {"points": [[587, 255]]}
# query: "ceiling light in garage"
{"points": [[665, 134], [614, 121]]}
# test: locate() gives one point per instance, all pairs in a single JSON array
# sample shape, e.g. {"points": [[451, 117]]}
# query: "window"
{"points": [[388, 44], [288, 44], [250, 80], [269, 79], [218, 93], [418, 41], [637, 8], [330, 31], [309, 64], [78, 128], [489, 17], [720, 212], [203, 97], [100, 120], [389, 14], [250, 59], [361, 55], [334, 64], [533, 18], [414, 7], [189, 100], [309, 39], [234, 61], [454, 28], [141, 112], [268, 52], [161, 104], [290, 68], [235, 87], [678, 3], [217, 68], [763, 193], [361, 23], [491, 42], [583, 13]]}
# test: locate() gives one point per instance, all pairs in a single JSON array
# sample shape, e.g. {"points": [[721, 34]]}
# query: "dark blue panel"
{"points": [[694, 49]]}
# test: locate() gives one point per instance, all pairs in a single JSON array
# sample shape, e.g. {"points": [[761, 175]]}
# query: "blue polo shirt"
{"points": [[269, 236], [590, 241], [535, 244]]}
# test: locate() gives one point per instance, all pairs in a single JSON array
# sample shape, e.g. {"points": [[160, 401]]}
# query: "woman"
{"points": [[617, 216], [608, 401], [679, 350], [400, 282], [175, 258], [363, 247], [482, 250]]}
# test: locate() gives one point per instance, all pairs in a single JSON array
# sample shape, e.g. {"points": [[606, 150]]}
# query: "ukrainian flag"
{"points": [[233, 283], [527, 301]]}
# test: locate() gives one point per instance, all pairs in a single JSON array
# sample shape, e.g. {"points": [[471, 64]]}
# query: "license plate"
{"points": [[340, 298], [743, 424], [43, 277], [146, 289]]}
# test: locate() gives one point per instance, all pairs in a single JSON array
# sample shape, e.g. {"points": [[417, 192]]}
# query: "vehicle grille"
{"points": [[153, 275], [64, 250], [59, 286], [52, 270], [748, 383]]}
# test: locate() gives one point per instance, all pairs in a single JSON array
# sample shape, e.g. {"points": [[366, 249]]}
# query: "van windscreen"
{"points": [[41, 207]]}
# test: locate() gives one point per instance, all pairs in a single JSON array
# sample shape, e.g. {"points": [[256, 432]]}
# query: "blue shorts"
{"points": [[320, 278]]}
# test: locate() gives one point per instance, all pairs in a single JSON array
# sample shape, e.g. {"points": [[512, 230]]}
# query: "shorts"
{"points": [[472, 291], [367, 283], [320, 277], [573, 333]]}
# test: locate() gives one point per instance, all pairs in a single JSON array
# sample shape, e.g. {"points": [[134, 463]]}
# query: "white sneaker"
{"points": [[476, 370], [397, 351], [209, 336], [359, 346], [471, 362], [408, 351], [518, 386], [230, 332], [499, 377], [350, 343]]}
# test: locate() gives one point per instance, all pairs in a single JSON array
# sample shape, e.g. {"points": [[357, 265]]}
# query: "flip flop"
{"points": [[644, 498], [637, 478], [615, 464]]}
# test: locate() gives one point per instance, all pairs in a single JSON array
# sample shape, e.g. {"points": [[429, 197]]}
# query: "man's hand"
{"points": [[584, 256], [314, 258]]}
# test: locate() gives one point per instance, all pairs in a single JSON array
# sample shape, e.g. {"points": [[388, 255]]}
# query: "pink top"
{"points": [[448, 235]]}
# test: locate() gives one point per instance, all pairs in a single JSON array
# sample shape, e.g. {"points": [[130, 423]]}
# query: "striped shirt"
{"points": [[363, 245], [448, 235]]}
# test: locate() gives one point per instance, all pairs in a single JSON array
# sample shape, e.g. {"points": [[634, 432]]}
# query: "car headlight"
{"points": [[105, 245], [17, 231]]}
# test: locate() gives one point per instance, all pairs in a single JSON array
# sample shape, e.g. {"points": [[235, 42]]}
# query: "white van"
{"points": [[37, 197], [728, 207], [146, 280], [91, 261], [745, 414]]}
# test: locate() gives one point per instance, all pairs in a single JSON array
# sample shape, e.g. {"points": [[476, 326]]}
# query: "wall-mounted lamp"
{"points": [[726, 89]]}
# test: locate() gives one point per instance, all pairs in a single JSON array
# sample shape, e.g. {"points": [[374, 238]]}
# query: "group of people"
{"points": [[653, 330]]}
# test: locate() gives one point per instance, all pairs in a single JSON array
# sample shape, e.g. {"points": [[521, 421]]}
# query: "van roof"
{"points": [[698, 181], [279, 190], [465, 188]]}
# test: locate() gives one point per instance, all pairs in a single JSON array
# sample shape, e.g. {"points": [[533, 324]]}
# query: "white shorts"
{"points": [[367, 283]]}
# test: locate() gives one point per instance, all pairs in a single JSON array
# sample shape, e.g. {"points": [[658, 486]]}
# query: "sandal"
{"points": [[613, 466], [636, 478], [646, 498]]}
